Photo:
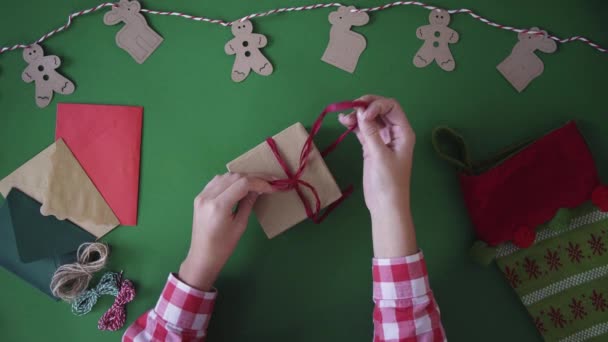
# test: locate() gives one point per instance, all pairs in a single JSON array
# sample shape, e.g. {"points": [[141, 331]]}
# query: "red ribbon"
{"points": [[294, 181]]}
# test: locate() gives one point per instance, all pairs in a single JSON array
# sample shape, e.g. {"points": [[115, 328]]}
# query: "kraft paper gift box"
{"points": [[280, 211]]}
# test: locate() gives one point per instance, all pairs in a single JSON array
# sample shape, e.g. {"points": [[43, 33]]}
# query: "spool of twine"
{"points": [[70, 280]]}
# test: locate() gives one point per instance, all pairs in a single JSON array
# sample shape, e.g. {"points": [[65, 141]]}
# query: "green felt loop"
{"points": [[108, 285], [482, 254], [451, 147]]}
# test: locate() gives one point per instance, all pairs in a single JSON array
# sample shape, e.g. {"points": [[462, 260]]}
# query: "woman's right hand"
{"points": [[388, 147], [217, 226]]}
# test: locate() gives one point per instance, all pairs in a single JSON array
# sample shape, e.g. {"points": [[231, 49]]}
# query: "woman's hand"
{"points": [[388, 147], [217, 227]]}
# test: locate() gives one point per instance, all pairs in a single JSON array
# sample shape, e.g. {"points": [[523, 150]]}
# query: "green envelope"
{"points": [[32, 246]]}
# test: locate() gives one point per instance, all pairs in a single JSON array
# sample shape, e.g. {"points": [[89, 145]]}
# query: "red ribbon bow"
{"points": [[115, 317], [294, 181]]}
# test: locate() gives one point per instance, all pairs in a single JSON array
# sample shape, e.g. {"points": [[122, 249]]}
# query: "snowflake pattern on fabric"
{"points": [[575, 253], [597, 245], [558, 319], [566, 260], [565, 263], [512, 277], [577, 308], [532, 268], [598, 301], [553, 260], [540, 326]]}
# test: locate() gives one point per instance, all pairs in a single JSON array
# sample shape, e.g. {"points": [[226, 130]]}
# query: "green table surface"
{"points": [[312, 283]]}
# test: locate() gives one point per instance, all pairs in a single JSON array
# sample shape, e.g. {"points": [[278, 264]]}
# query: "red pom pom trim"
{"points": [[524, 237], [599, 197]]}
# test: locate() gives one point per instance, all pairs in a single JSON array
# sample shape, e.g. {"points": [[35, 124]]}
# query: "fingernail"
{"points": [[360, 114], [253, 198], [275, 188]]}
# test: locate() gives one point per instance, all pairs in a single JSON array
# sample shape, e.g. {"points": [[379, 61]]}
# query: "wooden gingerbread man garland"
{"points": [[136, 37], [246, 46], [42, 71], [437, 36], [522, 66], [345, 46]]}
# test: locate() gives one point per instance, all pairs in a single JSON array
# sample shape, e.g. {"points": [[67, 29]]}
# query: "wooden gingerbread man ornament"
{"points": [[136, 37], [246, 46], [345, 46], [42, 71], [522, 66], [437, 36]]}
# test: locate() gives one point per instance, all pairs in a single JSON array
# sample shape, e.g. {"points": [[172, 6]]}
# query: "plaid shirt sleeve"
{"points": [[405, 309], [181, 314]]}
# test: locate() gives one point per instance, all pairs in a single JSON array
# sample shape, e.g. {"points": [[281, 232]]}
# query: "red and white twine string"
{"points": [[59, 29], [247, 17], [303, 8]]}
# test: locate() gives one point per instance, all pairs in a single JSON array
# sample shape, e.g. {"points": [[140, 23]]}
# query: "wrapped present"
{"points": [[308, 185], [538, 209]]}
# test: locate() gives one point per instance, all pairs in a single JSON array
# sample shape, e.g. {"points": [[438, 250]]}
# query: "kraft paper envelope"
{"points": [[55, 179], [32, 246], [106, 141], [278, 212]]}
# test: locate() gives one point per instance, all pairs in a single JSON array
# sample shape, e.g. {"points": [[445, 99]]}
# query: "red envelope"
{"points": [[106, 140]]}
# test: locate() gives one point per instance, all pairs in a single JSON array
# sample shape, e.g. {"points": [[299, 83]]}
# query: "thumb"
{"points": [[245, 208], [370, 130]]}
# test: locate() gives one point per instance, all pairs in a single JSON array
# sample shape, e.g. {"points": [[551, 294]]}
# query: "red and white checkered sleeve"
{"points": [[181, 314], [405, 309]]}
